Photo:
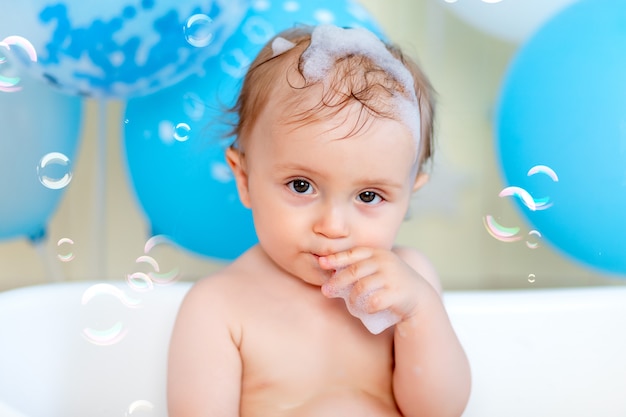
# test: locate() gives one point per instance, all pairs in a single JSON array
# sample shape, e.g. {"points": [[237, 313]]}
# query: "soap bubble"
{"points": [[154, 241], [68, 256], [109, 290], [139, 281], [140, 408], [543, 169], [198, 30], [181, 132], [9, 78], [532, 243], [523, 195], [501, 232], [143, 281], [106, 337], [54, 170]]}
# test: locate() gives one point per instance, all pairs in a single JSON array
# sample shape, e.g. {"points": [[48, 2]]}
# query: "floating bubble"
{"points": [[500, 232], [544, 202], [9, 84], [156, 276], [139, 408], [198, 30], [165, 278], [150, 260], [543, 169], [9, 79], [105, 337], [139, 281], [522, 194], [68, 256], [533, 244], [531, 278], [154, 241], [181, 132], [109, 290], [23, 43], [54, 170]]}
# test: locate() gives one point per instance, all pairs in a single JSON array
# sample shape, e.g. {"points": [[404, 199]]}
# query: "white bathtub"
{"points": [[97, 349]]}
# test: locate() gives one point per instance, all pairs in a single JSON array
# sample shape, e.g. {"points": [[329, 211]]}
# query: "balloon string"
{"points": [[100, 237]]}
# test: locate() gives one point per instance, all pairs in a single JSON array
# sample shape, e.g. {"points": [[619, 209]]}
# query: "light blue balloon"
{"points": [[39, 134], [563, 105], [174, 142], [120, 48]]}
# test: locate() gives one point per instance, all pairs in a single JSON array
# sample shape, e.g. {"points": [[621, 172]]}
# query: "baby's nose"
{"points": [[333, 222]]}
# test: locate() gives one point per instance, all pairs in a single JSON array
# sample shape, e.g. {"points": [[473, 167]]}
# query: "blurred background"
{"points": [[140, 155]]}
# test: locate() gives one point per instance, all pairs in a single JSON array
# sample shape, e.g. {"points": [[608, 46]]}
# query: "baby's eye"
{"points": [[370, 197], [300, 186]]}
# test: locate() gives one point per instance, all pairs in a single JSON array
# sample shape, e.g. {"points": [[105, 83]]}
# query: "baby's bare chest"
{"points": [[294, 350]]}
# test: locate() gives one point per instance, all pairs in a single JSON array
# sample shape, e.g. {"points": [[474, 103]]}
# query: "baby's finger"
{"points": [[343, 280], [366, 294], [341, 260]]}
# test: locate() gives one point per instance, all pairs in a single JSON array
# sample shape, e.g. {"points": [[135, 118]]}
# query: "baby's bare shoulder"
{"points": [[218, 287], [230, 288]]}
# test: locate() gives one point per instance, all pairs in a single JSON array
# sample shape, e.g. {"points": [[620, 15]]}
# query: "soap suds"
{"points": [[374, 322], [328, 43], [280, 46]]}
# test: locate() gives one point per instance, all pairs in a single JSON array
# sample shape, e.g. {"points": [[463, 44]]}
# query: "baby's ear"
{"points": [[236, 161], [421, 179]]}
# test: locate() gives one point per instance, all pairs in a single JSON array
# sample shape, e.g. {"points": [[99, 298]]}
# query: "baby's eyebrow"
{"points": [[295, 167], [380, 183]]}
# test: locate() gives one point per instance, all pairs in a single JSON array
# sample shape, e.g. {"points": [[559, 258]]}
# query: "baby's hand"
{"points": [[373, 282]]}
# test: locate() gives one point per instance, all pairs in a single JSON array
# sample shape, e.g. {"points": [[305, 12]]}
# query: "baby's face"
{"points": [[317, 188]]}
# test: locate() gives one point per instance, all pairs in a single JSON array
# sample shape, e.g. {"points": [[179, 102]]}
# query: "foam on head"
{"points": [[330, 43], [314, 73], [281, 45]]}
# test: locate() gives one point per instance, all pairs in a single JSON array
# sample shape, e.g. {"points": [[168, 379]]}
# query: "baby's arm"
{"points": [[204, 367], [432, 374]]}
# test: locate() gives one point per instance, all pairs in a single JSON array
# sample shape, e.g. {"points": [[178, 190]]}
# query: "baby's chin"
{"points": [[317, 278]]}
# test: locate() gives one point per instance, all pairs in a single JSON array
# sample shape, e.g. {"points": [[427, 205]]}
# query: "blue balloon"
{"points": [[119, 48], [174, 139], [38, 143], [561, 132]]}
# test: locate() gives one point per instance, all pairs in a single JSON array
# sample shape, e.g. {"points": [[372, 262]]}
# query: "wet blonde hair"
{"points": [[354, 78]]}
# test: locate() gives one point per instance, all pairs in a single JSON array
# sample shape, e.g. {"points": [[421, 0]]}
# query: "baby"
{"points": [[325, 316]]}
